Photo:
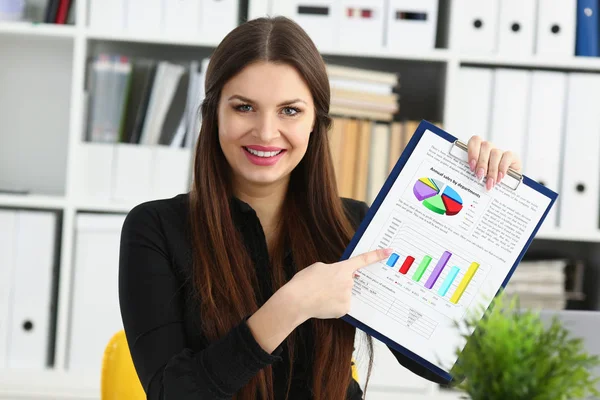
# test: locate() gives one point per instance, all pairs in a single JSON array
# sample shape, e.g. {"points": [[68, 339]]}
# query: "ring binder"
{"points": [[517, 178]]}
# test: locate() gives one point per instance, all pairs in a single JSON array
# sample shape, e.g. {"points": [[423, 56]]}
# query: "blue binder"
{"points": [[587, 28], [410, 359]]}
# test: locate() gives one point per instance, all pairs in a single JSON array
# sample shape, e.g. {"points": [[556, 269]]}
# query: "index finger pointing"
{"points": [[364, 259]]}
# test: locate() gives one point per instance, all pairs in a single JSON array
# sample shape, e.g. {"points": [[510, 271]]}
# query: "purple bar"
{"points": [[435, 274]]}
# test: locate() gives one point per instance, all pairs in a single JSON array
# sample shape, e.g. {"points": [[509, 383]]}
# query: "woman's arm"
{"points": [[152, 309]]}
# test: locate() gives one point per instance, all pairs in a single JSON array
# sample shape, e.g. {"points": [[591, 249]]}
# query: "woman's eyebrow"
{"points": [[247, 100]]}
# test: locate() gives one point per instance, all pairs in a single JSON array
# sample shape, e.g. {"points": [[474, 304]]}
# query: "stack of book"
{"points": [[144, 101], [363, 93], [539, 284], [365, 151]]}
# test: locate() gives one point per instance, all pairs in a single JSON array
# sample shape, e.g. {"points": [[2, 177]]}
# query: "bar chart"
{"points": [[428, 269]]}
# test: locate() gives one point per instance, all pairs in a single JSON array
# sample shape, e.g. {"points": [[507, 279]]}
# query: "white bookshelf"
{"points": [[51, 61]]}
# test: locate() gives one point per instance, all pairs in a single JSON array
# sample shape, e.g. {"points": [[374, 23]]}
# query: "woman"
{"points": [[233, 290]]}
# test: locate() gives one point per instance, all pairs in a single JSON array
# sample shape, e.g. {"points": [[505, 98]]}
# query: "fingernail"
{"points": [[388, 251], [490, 183], [480, 173], [472, 164], [500, 176]]}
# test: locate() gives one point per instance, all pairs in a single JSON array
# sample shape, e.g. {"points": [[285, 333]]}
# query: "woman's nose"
{"points": [[267, 128]]}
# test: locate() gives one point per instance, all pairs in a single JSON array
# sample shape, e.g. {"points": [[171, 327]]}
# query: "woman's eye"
{"points": [[290, 111], [244, 107]]}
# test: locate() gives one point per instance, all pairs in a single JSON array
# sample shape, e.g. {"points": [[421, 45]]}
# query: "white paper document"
{"points": [[454, 245]]}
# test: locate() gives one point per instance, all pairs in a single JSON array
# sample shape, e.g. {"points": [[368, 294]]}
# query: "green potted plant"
{"points": [[513, 355]]}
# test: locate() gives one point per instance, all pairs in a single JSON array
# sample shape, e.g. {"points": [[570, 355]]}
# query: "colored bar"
{"points": [[464, 283], [435, 274], [448, 282], [406, 264], [421, 270], [392, 260]]}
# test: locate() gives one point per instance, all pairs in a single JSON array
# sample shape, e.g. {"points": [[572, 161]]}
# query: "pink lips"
{"points": [[263, 161]]}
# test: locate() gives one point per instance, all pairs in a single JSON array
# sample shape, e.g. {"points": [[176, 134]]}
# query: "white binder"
{"points": [[30, 317], [94, 171], [132, 172], [170, 171], [319, 18], [475, 97], [581, 169], [145, 17], [361, 25], [411, 24], [107, 15], [474, 26], [218, 18], [510, 108], [182, 18], [544, 132], [516, 27], [259, 8], [8, 230], [96, 315], [556, 27]]}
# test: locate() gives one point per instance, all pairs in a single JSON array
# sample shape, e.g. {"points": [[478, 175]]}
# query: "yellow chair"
{"points": [[354, 371], [119, 379]]}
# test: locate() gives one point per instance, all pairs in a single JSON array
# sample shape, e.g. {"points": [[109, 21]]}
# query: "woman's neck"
{"points": [[267, 202]]}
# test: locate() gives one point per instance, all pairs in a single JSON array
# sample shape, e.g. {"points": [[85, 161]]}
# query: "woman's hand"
{"points": [[325, 290], [486, 160]]}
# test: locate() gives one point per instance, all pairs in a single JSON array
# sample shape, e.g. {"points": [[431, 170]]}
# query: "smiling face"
{"points": [[265, 116]]}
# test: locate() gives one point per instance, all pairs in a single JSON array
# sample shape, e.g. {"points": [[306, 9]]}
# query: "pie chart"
{"points": [[437, 196]]}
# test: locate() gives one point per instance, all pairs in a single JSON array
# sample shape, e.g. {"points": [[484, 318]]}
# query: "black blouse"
{"points": [[161, 320]]}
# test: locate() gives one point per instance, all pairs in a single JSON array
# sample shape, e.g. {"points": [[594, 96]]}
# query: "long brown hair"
{"points": [[224, 277]]}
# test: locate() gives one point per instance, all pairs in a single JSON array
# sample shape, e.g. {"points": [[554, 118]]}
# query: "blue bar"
{"points": [[448, 282], [392, 260]]}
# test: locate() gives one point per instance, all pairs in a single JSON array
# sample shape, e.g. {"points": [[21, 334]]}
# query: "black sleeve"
{"points": [[152, 311], [405, 361]]}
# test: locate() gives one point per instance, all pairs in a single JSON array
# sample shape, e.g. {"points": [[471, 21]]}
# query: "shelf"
{"points": [[32, 201], [435, 55], [555, 63], [47, 384], [38, 29], [98, 206], [145, 38], [569, 236]]}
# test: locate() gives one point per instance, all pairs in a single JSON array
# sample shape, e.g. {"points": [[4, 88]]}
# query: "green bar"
{"points": [[421, 270]]}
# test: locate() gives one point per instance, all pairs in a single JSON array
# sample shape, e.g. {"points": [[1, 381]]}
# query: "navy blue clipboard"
{"points": [[440, 375]]}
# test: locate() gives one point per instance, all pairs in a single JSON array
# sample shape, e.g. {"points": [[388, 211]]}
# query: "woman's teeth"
{"points": [[265, 154]]}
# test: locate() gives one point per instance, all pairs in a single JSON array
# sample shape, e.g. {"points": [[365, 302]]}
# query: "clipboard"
{"points": [[458, 150]]}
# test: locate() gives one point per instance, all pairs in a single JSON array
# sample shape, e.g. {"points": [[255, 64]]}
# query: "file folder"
{"points": [[31, 303], [474, 26], [544, 132], [556, 27], [96, 315], [475, 98], [581, 166], [8, 231], [411, 24], [145, 17], [319, 18], [218, 18], [510, 108], [586, 43], [259, 8], [516, 27], [107, 15], [182, 18], [361, 25]]}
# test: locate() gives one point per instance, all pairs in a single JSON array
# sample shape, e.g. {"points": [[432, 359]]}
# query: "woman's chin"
{"points": [[264, 178]]}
